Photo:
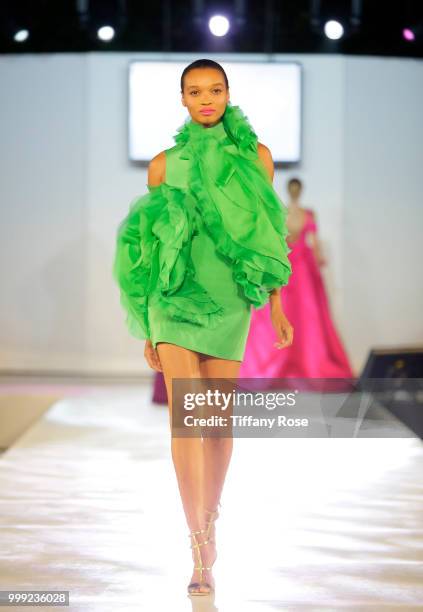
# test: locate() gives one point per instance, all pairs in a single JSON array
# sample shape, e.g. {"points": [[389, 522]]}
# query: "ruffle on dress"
{"points": [[153, 255], [231, 190]]}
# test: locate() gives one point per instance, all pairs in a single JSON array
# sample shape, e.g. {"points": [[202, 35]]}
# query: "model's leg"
{"points": [[217, 450], [187, 452]]}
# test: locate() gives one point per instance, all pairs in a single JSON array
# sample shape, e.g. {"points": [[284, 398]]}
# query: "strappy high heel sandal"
{"points": [[200, 567], [214, 514]]}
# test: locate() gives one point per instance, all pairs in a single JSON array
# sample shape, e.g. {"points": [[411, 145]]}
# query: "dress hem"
{"points": [[192, 348]]}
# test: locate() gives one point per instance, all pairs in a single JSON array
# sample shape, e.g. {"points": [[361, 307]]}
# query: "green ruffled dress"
{"points": [[197, 252]]}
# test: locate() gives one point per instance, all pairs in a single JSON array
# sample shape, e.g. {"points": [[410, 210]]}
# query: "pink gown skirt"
{"points": [[317, 350]]}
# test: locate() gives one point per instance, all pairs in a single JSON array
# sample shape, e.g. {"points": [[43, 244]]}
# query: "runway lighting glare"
{"points": [[333, 30], [408, 34], [21, 36], [218, 25], [106, 33]]}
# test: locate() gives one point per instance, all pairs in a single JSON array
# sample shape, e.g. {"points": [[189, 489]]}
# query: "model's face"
{"points": [[204, 88], [294, 190]]}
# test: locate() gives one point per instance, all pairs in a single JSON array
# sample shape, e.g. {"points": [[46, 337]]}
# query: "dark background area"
{"points": [[270, 26]]}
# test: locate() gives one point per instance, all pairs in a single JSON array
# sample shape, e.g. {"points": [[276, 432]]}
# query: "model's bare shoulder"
{"points": [[157, 169], [266, 157]]}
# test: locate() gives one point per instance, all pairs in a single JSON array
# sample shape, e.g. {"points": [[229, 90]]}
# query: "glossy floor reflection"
{"points": [[89, 504]]}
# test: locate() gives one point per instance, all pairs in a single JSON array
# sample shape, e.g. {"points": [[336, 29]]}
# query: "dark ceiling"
{"points": [[269, 26]]}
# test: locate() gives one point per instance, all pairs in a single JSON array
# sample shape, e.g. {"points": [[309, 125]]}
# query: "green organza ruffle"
{"points": [[231, 190], [238, 204], [153, 254]]}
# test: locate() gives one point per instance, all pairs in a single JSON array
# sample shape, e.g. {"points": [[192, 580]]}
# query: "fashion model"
{"points": [[318, 351], [193, 256]]}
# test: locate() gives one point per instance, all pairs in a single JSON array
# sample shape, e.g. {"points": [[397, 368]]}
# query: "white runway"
{"points": [[89, 504]]}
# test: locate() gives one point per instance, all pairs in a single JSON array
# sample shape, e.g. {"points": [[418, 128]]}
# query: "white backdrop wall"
{"points": [[383, 204], [66, 183]]}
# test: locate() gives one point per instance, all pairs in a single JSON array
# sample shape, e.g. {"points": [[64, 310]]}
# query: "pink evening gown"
{"points": [[316, 350], [159, 395]]}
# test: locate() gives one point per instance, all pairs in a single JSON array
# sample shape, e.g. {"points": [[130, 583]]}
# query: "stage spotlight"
{"points": [[333, 29], [219, 25], [102, 21], [408, 34], [106, 33], [413, 32], [21, 36]]}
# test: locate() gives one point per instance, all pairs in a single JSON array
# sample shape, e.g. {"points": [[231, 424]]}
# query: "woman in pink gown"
{"points": [[316, 351]]}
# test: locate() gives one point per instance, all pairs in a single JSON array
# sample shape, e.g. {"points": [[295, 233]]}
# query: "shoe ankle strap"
{"points": [[219, 505], [191, 533]]}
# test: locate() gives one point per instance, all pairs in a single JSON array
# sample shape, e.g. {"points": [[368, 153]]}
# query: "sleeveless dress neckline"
{"points": [[201, 138], [214, 131], [306, 224]]}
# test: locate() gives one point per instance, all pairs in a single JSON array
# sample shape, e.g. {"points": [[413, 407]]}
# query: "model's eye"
{"points": [[195, 91]]}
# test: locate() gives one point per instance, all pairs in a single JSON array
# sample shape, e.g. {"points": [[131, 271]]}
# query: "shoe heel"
{"points": [[200, 567]]}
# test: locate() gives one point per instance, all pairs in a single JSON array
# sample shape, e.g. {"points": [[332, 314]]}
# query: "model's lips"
{"points": [[207, 111]]}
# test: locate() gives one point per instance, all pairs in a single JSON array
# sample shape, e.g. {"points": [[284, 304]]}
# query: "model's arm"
{"points": [[281, 324], [266, 157], [157, 170], [156, 176]]}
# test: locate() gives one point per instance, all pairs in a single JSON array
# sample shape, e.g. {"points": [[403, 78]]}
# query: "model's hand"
{"points": [[282, 327], [152, 356]]}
